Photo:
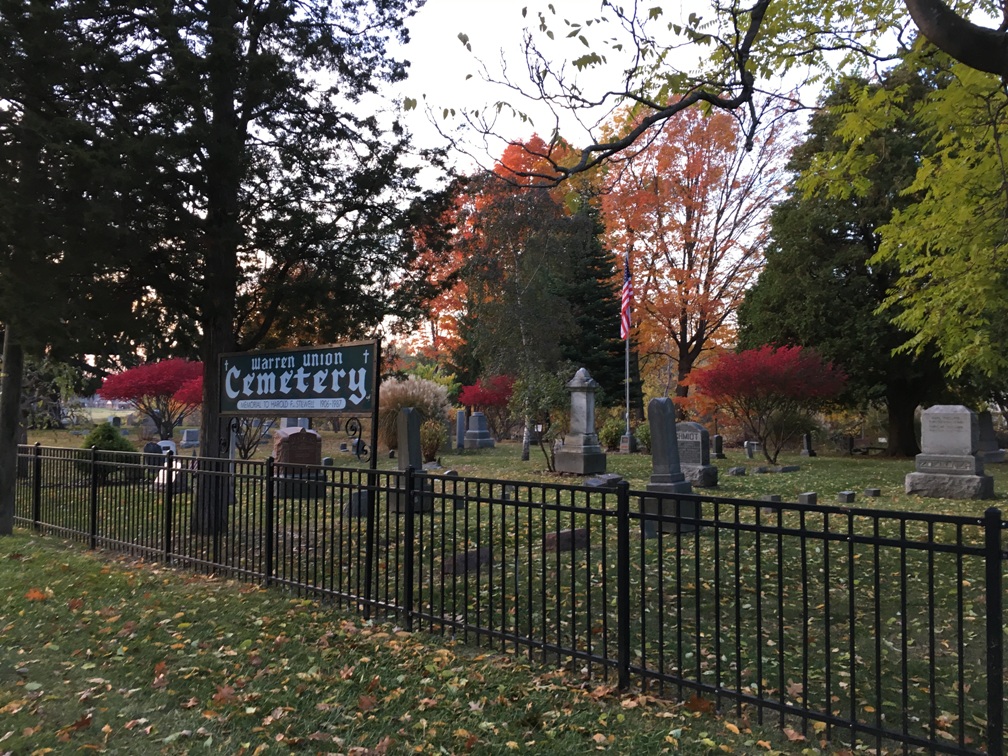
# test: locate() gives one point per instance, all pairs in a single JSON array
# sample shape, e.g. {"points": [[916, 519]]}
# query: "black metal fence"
{"points": [[854, 625]]}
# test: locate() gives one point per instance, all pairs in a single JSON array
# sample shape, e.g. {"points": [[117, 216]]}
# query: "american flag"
{"points": [[627, 298]]}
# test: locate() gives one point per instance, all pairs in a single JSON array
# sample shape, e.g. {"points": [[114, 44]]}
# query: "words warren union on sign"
{"points": [[338, 378]]}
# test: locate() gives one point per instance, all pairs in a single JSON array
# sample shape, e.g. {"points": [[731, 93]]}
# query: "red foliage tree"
{"points": [[491, 396], [167, 392], [771, 391]]}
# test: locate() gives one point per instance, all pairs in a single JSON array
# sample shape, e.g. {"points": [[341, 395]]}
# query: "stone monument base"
{"points": [[942, 486], [423, 498], [309, 485], [580, 463], [669, 507], [627, 444], [701, 476]]}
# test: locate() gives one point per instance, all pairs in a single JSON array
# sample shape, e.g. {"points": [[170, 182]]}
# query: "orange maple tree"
{"points": [[690, 207]]}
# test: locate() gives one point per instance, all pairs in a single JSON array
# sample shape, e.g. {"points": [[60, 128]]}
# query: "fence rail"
{"points": [[856, 625]]}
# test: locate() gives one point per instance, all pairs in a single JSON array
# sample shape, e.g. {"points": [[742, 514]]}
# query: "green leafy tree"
{"points": [[264, 193], [69, 194], [819, 287], [946, 235], [586, 284]]}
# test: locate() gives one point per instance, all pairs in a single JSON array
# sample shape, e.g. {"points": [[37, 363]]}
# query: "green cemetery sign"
{"points": [[335, 379]]}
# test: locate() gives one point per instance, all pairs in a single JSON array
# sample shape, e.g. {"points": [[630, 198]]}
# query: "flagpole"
{"points": [[627, 382], [626, 304]]}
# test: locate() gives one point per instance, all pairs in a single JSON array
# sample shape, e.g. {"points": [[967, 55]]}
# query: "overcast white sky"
{"points": [[440, 63]]}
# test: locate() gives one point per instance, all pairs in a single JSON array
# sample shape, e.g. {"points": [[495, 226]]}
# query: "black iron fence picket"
{"points": [[855, 625]]}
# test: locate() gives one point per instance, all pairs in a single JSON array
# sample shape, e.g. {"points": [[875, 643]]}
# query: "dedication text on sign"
{"points": [[339, 378]]}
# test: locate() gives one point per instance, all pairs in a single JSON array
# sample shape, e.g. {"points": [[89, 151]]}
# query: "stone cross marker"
{"points": [[948, 465]]}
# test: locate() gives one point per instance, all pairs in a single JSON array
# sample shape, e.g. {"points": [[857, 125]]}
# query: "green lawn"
{"points": [[777, 563], [102, 654]]}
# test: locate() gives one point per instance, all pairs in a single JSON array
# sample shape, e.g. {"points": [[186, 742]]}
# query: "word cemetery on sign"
{"points": [[338, 378]]}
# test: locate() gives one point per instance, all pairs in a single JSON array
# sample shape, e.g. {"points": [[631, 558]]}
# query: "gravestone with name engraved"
{"points": [[948, 465], [297, 452], [694, 455], [581, 453], [667, 477]]}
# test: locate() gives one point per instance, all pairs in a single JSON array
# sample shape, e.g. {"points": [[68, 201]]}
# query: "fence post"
{"points": [[37, 488], [270, 520], [623, 583], [168, 506], [995, 646], [409, 509], [93, 517]]}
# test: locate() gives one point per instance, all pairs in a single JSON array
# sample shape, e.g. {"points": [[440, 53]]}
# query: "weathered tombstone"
{"points": [[460, 429], [174, 474], [408, 430], [295, 451], [694, 455], [167, 446], [478, 435], [567, 539], [987, 445], [295, 422], [359, 503], [809, 497], [606, 480], [581, 453], [717, 446], [666, 477], [152, 455], [627, 444], [948, 465], [190, 438], [806, 445], [115, 421], [845, 497], [751, 447]]}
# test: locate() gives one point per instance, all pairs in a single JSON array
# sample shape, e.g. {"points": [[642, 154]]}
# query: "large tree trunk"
{"points": [[901, 405], [976, 46], [222, 235], [10, 421]]}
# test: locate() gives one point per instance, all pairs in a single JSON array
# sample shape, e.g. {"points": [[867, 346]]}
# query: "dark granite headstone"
{"points": [[666, 475]]}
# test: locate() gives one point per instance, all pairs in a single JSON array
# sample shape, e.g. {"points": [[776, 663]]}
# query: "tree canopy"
{"points": [[821, 287]]}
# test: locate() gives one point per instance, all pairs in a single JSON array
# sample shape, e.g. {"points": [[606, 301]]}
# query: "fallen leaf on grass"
{"points": [[224, 694], [700, 705], [792, 735], [34, 594], [366, 702]]}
